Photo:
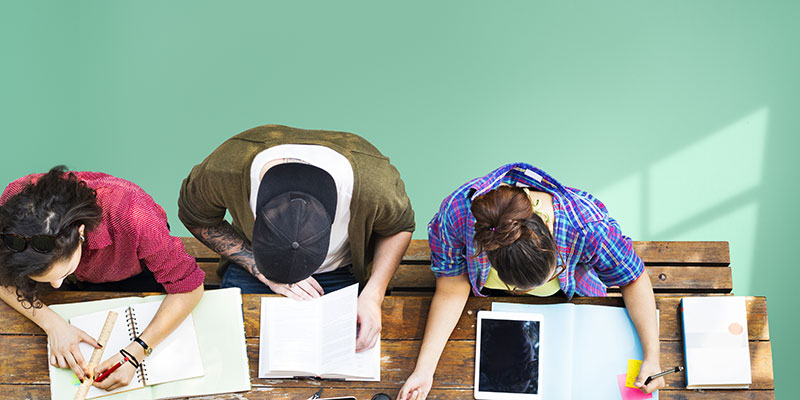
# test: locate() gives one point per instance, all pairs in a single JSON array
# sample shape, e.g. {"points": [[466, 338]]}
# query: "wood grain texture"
{"points": [[651, 252], [198, 250], [24, 361], [41, 392], [664, 278], [404, 317], [672, 267], [661, 259], [212, 280]]}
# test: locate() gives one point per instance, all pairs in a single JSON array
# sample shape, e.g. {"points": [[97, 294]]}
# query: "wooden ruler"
{"points": [[97, 354]]}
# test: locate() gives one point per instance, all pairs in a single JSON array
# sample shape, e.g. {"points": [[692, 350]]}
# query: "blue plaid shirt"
{"points": [[596, 252]]}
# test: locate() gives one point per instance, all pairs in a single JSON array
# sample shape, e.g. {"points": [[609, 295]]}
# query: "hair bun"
{"points": [[498, 217]]}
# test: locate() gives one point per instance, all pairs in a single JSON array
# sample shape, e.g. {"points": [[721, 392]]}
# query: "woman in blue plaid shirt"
{"points": [[517, 229]]}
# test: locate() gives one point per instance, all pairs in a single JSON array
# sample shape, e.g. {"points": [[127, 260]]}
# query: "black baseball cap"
{"points": [[295, 208]]}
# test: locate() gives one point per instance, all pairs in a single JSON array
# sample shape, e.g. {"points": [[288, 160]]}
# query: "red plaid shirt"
{"points": [[133, 228]]}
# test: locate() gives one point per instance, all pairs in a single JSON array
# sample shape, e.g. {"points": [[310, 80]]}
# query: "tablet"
{"points": [[507, 355]]}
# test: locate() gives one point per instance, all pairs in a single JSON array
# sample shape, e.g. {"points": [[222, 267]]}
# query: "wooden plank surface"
{"points": [[23, 362], [36, 392], [198, 250], [661, 258], [29, 363], [651, 252], [210, 268], [664, 278], [404, 317]]}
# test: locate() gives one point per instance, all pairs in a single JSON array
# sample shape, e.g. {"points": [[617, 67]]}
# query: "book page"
{"points": [[90, 318], [365, 366], [605, 339], [339, 357], [290, 337], [119, 339], [177, 356], [338, 331]]}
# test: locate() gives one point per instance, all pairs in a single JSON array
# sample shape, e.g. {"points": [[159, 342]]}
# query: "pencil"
{"points": [[110, 370]]}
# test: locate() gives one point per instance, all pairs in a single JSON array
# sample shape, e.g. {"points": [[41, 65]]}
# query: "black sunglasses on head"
{"points": [[39, 243]]}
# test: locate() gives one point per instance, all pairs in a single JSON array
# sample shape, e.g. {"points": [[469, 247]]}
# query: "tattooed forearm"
{"points": [[225, 241]]}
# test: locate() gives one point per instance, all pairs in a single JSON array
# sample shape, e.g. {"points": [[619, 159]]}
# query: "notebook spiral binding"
{"points": [[133, 332]]}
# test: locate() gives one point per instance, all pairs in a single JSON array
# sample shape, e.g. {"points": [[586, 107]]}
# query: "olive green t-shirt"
{"points": [[221, 182]]}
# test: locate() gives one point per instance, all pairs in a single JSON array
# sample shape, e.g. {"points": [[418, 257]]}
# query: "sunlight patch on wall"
{"points": [[708, 173], [625, 203]]}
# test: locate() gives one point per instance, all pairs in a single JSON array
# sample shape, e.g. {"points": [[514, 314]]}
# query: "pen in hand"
{"points": [[110, 370], [660, 374]]}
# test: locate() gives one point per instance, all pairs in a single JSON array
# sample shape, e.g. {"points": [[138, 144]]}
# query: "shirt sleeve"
{"points": [[200, 201], [15, 188], [611, 254], [394, 212], [445, 238], [163, 254]]}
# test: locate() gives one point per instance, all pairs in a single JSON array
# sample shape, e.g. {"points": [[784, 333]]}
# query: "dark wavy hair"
{"points": [[516, 240], [57, 204]]}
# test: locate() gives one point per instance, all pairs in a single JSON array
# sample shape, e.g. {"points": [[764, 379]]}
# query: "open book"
{"points": [[314, 338], [205, 355], [586, 348]]}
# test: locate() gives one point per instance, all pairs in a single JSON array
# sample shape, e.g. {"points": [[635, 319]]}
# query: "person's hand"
{"points": [[649, 368], [64, 351], [306, 289], [117, 379], [416, 387], [369, 321]]}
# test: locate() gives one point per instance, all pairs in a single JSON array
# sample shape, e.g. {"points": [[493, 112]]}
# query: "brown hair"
{"points": [[57, 204], [516, 240]]}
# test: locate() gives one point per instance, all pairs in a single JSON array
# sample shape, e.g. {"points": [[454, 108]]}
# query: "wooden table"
{"points": [[24, 372]]}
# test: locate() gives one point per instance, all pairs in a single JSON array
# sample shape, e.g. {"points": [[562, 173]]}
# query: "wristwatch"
{"points": [[147, 349]]}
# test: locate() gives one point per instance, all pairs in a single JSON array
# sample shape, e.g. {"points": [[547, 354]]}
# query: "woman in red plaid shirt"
{"points": [[91, 231]]}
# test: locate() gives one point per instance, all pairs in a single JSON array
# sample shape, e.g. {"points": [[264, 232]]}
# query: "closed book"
{"points": [[715, 342]]}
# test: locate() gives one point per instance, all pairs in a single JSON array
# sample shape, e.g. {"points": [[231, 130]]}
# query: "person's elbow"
{"points": [[197, 294]]}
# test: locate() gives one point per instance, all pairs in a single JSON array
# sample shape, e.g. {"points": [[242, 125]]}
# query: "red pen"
{"points": [[110, 370]]}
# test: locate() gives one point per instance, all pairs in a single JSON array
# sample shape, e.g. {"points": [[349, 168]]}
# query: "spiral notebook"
{"points": [[214, 332], [176, 358]]}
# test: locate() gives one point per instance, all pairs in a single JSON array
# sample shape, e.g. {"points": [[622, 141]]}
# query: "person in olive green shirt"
{"points": [[312, 212]]}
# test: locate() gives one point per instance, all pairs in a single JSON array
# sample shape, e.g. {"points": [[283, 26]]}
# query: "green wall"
{"points": [[681, 116]]}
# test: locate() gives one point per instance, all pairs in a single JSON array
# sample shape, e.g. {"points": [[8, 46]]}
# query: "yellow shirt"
{"points": [[550, 288]]}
